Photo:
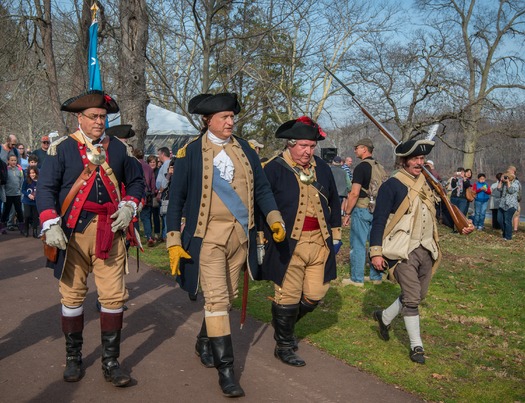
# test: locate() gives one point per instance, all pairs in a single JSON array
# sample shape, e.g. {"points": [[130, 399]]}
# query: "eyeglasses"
{"points": [[45, 142], [20, 148], [94, 118]]}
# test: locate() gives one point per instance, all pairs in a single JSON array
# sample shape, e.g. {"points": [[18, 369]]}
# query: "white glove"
{"points": [[55, 237], [122, 217]]}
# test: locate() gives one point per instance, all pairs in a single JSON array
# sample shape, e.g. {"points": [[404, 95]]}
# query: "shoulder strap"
{"points": [[405, 204], [84, 176]]}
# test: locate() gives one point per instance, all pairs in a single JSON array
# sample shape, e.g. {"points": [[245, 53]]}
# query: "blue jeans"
{"points": [[164, 229], [359, 236], [480, 209], [461, 203], [505, 222], [145, 217]]}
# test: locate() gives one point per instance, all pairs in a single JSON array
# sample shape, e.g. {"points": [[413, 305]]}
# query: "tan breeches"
{"points": [[305, 273], [109, 273], [220, 268]]}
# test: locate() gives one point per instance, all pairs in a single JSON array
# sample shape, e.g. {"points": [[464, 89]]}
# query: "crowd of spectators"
{"points": [[18, 180]]}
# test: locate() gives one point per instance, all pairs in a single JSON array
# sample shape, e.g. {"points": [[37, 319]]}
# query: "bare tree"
{"points": [[133, 97], [489, 67], [43, 11]]}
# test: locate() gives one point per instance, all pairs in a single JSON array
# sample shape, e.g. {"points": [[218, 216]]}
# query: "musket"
{"points": [[459, 219]]}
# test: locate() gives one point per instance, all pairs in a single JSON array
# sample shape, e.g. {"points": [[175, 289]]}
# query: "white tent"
{"points": [[163, 122], [166, 129]]}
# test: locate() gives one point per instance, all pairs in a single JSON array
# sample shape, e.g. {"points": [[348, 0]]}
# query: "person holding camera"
{"points": [[508, 205], [495, 197], [459, 184]]}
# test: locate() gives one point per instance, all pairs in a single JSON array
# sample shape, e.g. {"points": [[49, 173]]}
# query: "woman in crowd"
{"points": [[508, 203], [23, 156], [153, 160], [495, 197]]}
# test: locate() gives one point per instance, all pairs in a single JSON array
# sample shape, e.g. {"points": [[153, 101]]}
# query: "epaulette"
{"points": [[271, 159], [129, 150], [52, 150], [181, 153]]}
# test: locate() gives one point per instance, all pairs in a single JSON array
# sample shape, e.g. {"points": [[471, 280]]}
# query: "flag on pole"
{"points": [[94, 80]]}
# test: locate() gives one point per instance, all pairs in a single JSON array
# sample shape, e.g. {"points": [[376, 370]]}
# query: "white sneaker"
{"points": [[347, 281], [375, 282]]}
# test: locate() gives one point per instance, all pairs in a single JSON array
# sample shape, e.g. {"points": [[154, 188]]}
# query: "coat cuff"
{"points": [[274, 216], [376, 251], [173, 239], [336, 234], [48, 214]]}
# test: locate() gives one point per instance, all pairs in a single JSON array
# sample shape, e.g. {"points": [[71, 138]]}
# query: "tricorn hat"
{"points": [[413, 148], [90, 99], [208, 104], [121, 131], [302, 128]]}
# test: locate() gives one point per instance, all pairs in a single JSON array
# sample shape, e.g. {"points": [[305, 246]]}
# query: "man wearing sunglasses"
{"points": [[82, 213], [41, 153]]}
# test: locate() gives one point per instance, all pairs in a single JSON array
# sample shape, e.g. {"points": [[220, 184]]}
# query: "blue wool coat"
{"points": [[61, 169], [186, 190], [286, 191]]}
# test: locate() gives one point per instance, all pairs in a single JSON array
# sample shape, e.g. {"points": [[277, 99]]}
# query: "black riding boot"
{"points": [[284, 319], [222, 350], [305, 306], [72, 328], [110, 325], [203, 348]]}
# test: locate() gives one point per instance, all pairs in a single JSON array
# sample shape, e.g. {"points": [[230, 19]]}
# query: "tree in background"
{"points": [[484, 65], [131, 94]]}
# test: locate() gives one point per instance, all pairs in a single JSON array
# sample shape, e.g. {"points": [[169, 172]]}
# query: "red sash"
{"points": [[104, 234], [311, 224]]}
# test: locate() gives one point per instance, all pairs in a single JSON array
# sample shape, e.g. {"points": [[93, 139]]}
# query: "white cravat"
{"points": [[222, 161], [86, 138]]}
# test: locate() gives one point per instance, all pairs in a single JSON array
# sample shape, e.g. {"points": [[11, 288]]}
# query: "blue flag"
{"points": [[94, 80]]}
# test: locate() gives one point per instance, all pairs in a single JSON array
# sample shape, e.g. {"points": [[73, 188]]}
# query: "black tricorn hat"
{"points": [[121, 131], [90, 99], [208, 104], [413, 148], [302, 128]]}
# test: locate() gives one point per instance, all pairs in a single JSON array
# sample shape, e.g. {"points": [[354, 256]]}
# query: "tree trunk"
{"points": [[46, 31], [132, 96]]}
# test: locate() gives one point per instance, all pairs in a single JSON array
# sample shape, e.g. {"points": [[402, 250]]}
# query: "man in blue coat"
{"points": [[302, 266], [217, 183], [84, 214]]}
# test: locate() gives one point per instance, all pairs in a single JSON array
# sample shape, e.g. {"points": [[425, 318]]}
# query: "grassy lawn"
{"points": [[472, 322]]}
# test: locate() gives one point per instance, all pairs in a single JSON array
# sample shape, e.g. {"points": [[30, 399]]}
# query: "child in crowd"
{"points": [[13, 191], [483, 192], [29, 201], [32, 162]]}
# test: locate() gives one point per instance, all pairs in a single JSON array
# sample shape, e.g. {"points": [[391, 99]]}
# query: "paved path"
{"points": [[158, 347]]}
